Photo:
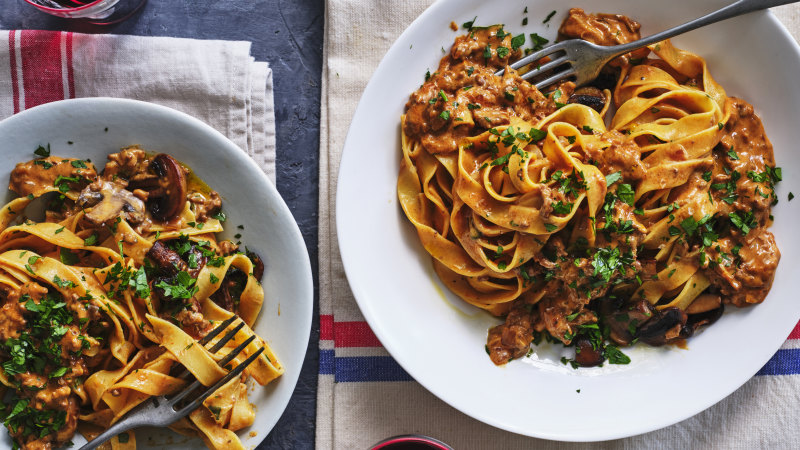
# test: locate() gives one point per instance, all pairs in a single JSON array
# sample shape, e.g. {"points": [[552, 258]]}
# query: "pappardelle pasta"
{"points": [[105, 297], [632, 210]]}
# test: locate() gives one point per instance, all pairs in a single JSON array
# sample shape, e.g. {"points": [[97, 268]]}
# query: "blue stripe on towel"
{"points": [[326, 363], [784, 362], [368, 368], [384, 368]]}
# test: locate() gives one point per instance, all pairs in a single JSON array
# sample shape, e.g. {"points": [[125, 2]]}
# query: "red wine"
{"points": [[63, 3]]}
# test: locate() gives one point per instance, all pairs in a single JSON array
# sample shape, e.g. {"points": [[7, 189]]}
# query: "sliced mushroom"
{"points": [[222, 297], [258, 265], [165, 259], [663, 328], [585, 353], [696, 321], [172, 180], [227, 296], [196, 257], [167, 193], [589, 96], [103, 201], [624, 320]]}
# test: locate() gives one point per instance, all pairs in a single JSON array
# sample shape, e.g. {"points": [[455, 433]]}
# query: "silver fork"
{"points": [[161, 411], [582, 60]]}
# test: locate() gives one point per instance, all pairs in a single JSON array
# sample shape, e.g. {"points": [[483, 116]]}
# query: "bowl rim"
{"points": [[360, 293], [305, 286]]}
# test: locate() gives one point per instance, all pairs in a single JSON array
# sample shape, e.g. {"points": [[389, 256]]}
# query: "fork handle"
{"points": [[119, 427], [732, 10]]}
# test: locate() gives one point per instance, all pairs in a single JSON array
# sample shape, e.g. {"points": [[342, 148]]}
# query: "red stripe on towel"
{"points": [[70, 74], [325, 327], [795, 334], [12, 51], [354, 334], [42, 79]]}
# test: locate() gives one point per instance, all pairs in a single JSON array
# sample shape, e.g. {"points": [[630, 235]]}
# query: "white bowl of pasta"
{"points": [[136, 257], [502, 210]]}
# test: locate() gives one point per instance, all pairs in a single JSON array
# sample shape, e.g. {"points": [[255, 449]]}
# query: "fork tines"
{"points": [[222, 363], [162, 410], [559, 59]]}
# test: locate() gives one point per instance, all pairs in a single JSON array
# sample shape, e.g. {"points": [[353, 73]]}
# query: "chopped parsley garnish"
{"points": [[517, 41], [537, 134], [61, 182], [36, 422], [549, 16], [744, 221], [67, 257], [139, 283], [613, 178], [626, 193], [562, 207], [607, 261], [538, 41], [42, 152], [615, 356], [63, 283], [91, 240], [468, 25], [729, 188], [570, 184], [183, 286], [45, 165]]}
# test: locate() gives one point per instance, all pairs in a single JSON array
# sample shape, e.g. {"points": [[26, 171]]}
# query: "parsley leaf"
{"points": [[139, 283], [613, 178], [625, 193], [517, 41], [42, 152], [183, 286], [538, 41]]}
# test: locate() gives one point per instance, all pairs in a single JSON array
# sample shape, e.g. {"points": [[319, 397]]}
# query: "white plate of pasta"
{"points": [[570, 252], [127, 237]]}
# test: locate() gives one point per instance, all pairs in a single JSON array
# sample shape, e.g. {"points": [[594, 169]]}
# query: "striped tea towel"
{"points": [[365, 396], [217, 82]]}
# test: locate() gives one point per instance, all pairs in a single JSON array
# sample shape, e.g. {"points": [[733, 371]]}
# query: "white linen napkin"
{"points": [[217, 82], [364, 396]]}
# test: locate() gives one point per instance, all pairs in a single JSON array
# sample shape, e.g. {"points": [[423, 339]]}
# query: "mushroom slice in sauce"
{"points": [[663, 328], [172, 182], [587, 355], [589, 96], [166, 192], [104, 201]]}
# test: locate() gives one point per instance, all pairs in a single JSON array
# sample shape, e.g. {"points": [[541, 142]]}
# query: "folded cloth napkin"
{"points": [[217, 82], [365, 396]]}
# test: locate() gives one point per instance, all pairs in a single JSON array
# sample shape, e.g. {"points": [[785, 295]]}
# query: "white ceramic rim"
{"points": [[269, 413], [724, 386]]}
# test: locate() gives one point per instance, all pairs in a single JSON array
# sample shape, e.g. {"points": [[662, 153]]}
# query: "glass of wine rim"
{"points": [[94, 11]]}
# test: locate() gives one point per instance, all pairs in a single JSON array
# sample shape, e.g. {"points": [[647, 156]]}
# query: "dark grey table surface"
{"points": [[287, 34]]}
